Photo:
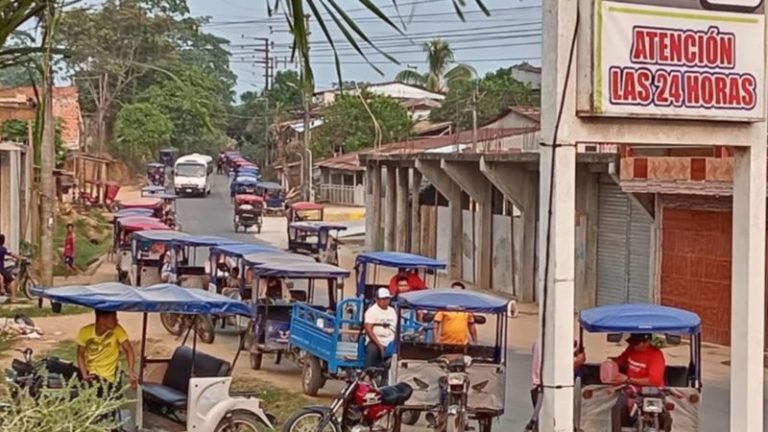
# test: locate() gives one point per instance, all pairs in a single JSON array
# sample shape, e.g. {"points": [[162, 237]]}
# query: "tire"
{"points": [[172, 323], [410, 418], [312, 376], [243, 421], [457, 423], [26, 287], [256, 359], [205, 329], [307, 420]]}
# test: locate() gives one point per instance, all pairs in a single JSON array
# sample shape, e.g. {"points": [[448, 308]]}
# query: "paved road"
{"points": [[213, 216]]}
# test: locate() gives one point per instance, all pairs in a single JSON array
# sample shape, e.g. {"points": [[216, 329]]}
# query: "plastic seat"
{"points": [[397, 394]]}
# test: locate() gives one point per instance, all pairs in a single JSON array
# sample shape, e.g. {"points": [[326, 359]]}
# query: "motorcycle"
{"points": [[454, 387], [648, 407], [34, 376], [363, 407]]}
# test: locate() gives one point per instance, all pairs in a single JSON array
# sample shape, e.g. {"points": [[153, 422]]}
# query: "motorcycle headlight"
{"points": [[456, 378], [653, 405]]}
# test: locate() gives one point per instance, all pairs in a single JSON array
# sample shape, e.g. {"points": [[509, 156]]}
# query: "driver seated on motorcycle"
{"points": [[644, 365], [7, 282], [379, 323], [232, 284], [272, 289], [168, 269], [412, 282], [98, 351]]}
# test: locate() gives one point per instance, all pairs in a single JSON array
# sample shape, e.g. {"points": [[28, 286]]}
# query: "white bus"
{"points": [[192, 176]]}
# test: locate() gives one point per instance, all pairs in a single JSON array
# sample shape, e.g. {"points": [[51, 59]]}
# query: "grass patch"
{"points": [[36, 312], [278, 402], [65, 350], [91, 241]]}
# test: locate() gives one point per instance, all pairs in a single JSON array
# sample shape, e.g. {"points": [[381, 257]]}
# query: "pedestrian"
{"points": [[69, 249], [98, 351], [8, 282]]}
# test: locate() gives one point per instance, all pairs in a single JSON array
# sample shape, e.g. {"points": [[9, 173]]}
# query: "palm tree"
{"points": [[438, 77]]}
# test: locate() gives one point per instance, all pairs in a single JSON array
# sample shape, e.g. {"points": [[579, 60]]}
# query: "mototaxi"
{"points": [[243, 185], [149, 203], [301, 283], [225, 258], [156, 174], [681, 396], [316, 239], [248, 212], [305, 211], [454, 385], [125, 228], [188, 391], [167, 156], [274, 196]]}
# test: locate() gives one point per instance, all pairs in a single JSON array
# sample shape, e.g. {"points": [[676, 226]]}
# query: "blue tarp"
{"points": [[639, 318], [275, 256], [246, 179], [399, 260], [134, 212], [454, 299], [240, 250], [159, 236], [114, 296], [205, 241], [153, 189], [317, 226], [299, 270]]}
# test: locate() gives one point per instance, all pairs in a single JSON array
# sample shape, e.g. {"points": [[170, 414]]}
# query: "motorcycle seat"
{"points": [[396, 394]]}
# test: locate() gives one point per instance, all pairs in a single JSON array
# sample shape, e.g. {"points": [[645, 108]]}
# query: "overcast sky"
{"points": [[511, 34]]}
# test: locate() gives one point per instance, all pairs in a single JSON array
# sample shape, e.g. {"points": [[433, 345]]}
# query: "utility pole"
{"points": [[307, 95], [47, 154], [474, 117], [267, 149]]}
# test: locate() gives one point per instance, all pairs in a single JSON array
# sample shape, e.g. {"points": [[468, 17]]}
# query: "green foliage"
{"points": [[92, 241], [55, 411], [16, 130], [496, 91], [36, 312], [440, 76], [348, 125], [142, 129]]}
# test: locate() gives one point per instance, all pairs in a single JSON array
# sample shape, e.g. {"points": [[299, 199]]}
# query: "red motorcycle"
{"points": [[361, 405]]}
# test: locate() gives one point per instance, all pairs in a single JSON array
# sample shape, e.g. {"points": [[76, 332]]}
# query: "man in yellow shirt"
{"points": [[455, 328], [99, 346]]}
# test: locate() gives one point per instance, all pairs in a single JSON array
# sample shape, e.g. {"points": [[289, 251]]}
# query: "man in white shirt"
{"points": [[168, 270], [379, 322]]}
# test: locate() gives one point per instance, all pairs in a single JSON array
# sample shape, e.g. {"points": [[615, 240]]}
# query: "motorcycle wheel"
{"points": [[205, 329], [240, 421], [410, 418], [312, 376], [457, 423], [307, 421], [172, 323], [26, 286]]}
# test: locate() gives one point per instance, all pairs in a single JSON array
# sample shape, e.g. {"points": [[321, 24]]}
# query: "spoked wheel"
{"points": [[240, 421], [312, 376], [27, 283], [173, 323], [205, 329], [308, 421]]}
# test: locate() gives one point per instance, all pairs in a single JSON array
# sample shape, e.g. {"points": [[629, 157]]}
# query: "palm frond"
{"points": [[408, 76], [459, 72]]}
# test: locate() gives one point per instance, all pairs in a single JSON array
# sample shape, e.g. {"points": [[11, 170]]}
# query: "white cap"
{"points": [[383, 293]]}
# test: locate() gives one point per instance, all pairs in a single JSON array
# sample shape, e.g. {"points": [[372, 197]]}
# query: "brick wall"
{"points": [[696, 267]]}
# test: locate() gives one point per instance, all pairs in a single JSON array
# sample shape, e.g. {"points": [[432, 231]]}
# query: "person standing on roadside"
{"points": [[69, 249]]}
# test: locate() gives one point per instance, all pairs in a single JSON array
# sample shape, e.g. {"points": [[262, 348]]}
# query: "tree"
{"points": [[438, 77], [141, 130], [348, 125], [112, 46], [495, 93]]}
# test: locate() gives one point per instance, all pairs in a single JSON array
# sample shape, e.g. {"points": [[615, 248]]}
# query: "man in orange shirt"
{"points": [[455, 328]]}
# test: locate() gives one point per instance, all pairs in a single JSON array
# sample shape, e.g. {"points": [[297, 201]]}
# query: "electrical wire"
{"points": [[550, 199]]}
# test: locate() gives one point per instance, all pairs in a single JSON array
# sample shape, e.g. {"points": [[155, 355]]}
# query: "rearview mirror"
{"points": [[674, 339], [614, 337], [480, 319]]}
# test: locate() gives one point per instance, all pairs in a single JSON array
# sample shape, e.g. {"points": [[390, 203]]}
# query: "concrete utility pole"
{"points": [[47, 155], [307, 133]]}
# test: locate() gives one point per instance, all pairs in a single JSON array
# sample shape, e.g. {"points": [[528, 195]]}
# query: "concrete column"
{"points": [[557, 230], [519, 185], [15, 207], [390, 206], [373, 208], [469, 179], [432, 172], [415, 213], [403, 230], [748, 288]]}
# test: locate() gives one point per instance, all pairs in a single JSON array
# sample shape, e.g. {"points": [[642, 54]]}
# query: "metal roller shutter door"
{"points": [[623, 249]]}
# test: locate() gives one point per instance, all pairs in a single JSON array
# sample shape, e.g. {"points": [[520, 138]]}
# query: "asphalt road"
{"points": [[213, 216]]}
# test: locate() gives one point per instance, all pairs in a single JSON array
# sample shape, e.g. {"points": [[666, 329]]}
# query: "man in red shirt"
{"points": [[414, 282], [644, 366]]}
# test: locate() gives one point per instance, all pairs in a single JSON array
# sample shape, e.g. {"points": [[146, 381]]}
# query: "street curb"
{"points": [[347, 215]]}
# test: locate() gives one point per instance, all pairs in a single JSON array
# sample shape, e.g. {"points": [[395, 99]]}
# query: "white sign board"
{"points": [[692, 59]]}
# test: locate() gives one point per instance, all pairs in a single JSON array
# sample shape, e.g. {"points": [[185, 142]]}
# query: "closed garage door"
{"points": [[623, 248]]}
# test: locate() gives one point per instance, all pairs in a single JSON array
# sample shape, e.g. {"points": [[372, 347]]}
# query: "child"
{"points": [[69, 249]]}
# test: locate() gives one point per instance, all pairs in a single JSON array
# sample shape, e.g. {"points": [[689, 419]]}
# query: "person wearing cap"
{"points": [[644, 365], [379, 323]]}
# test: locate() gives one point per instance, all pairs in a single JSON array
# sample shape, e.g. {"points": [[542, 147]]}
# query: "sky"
{"points": [[511, 35]]}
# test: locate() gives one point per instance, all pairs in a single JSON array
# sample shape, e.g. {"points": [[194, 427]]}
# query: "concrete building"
{"points": [[527, 73], [66, 110], [396, 90]]}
